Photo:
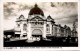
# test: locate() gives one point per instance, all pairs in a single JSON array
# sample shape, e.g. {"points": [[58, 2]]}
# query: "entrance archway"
{"points": [[37, 33]]}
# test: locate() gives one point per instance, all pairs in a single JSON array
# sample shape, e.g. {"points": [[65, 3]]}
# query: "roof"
{"points": [[36, 10]]}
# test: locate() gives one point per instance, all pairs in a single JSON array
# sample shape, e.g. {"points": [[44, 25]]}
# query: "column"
{"points": [[64, 33], [53, 30], [21, 26], [44, 32], [50, 29], [29, 31]]}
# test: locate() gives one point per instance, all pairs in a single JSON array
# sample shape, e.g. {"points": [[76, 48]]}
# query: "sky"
{"points": [[64, 13]]}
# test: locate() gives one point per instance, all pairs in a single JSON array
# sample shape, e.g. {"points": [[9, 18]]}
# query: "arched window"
{"points": [[18, 25], [24, 27], [48, 27]]}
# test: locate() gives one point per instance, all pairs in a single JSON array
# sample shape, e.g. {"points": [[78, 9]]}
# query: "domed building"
{"points": [[38, 26], [36, 10]]}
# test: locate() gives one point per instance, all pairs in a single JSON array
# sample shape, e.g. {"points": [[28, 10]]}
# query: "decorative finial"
{"points": [[36, 5], [49, 15]]}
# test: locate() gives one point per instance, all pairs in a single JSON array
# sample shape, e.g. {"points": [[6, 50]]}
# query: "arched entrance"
{"points": [[37, 33]]}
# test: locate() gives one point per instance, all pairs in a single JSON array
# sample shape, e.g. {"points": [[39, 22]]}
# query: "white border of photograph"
{"points": [[36, 48]]}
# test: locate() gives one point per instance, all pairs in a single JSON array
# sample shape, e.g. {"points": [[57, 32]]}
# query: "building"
{"points": [[37, 25], [75, 29]]}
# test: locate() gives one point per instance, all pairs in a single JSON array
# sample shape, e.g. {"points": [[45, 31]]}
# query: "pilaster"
{"points": [[21, 26], [53, 30], [44, 33], [50, 29], [29, 31]]}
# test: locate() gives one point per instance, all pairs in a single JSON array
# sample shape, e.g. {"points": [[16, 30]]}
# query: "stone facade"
{"points": [[37, 25]]}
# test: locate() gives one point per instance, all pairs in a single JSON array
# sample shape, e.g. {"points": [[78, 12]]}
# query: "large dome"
{"points": [[36, 10]]}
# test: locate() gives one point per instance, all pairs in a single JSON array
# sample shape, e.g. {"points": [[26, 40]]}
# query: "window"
{"points": [[18, 25], [48, 28], [25, 27], [47, 25], [41, 23]]}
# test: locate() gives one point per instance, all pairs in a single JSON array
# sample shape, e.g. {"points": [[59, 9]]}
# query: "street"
{"points": [[41, 43]]}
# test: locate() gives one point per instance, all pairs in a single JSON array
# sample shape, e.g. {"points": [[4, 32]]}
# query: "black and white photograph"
{"points": [[40, 24]]}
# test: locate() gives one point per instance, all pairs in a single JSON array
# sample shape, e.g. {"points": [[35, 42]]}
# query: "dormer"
{"points": [[50, 19], [21, 17]]}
